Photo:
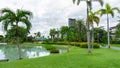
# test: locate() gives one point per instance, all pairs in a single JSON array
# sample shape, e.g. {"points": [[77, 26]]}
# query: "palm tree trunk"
{"points": [[108, 31], [92, 36], [18, 46], [88, 31]]}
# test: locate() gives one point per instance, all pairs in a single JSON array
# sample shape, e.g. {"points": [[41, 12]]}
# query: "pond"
{"points": [[11, 52]]}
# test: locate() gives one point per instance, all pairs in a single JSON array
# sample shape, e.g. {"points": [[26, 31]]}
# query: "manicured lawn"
{"points": [[76, 58], [117, 45]]}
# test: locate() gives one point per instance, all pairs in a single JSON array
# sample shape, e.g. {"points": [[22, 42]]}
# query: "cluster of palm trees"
{"points": [[11, 19], [91, 18]]}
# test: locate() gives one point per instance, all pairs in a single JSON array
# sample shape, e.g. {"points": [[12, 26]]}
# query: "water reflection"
{"points": [[11, 52]]}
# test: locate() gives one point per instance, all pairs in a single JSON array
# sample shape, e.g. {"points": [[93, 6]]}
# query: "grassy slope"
{"points": [[76, 58]]}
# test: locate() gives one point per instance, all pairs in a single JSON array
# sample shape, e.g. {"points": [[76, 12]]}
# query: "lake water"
{"points": [[11, 52]]}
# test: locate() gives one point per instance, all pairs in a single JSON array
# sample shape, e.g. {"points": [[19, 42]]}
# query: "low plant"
{"points": [[51, 48]]}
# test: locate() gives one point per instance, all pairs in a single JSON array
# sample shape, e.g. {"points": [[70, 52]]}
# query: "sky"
{"points": [[49, 14]]}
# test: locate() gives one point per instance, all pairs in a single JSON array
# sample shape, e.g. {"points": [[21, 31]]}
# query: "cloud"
{"points": [[54, 13]]}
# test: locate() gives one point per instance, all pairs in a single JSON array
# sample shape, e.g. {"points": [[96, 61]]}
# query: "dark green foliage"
{"points": [[85, 45], [1, 38], [100, 35], [11, 34], [51, 48], [115, 41]]}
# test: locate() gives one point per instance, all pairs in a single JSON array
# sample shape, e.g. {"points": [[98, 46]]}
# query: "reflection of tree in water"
{"points": [[31, 52], [11, 52], [2, 54]]}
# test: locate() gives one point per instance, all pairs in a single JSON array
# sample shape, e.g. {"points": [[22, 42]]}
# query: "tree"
{"points": [[11, 34], [52, 34], [117, 32], [93, 18], [81, 27], [37, 36], [108, 10], [89, 7], [100, 35], [11, 18], [64, 30]]}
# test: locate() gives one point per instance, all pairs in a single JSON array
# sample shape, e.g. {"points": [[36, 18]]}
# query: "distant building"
{"points": [[112, 32], [71, 21]]}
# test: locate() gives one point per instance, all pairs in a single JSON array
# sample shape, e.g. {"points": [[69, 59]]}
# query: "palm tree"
{"points": [[11, 18], [108, 10], [89, 7], [93, 18]]}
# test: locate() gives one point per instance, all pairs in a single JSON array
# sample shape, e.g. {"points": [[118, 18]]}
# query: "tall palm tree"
{"points": [[89, 7], [108, 10], [11, 18], [93, 18]]}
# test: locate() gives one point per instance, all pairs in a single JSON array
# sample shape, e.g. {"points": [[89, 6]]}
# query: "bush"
{"points": [[84, 44], [58, 43], [52, 49], [115, 42]]}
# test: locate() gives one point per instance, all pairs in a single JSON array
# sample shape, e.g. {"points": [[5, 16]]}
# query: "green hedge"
{"points": [[85, 45], [57, 43], [52, 49], [115, 42], [78, 44]]}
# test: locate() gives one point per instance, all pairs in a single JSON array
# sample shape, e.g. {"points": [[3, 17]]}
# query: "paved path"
{"points": [[112, 47]]}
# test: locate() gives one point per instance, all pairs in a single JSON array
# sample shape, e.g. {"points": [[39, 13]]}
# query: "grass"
{"points": [[76, 58], [117, 45]]}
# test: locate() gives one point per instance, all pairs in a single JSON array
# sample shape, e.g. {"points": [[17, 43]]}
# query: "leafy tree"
{"points": [[1, 38], [64, 30], [100, 35], [108, 11], [117, 32], [81, 27], [11, 34], [11, 18], [52, 34]]}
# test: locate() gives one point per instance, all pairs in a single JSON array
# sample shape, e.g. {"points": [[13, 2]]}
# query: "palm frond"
{"points": [[5, 24], [116, 8], [102, 12], [78, 2], [108, 7], [7, 11], [24, 13], [112, 13], [73, 1], [27, 23], [96, 19], [101, 2]]}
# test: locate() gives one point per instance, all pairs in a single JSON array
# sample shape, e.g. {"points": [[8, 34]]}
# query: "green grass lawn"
{"points": [[117, 45], [76, 58]]}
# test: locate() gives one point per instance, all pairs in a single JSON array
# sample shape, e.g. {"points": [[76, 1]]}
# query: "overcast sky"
{"points": [[55, 13]]}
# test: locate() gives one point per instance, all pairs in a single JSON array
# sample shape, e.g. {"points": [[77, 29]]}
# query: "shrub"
{"points": [[58, 43], [115, 41], [52, 49], [84, 44]]}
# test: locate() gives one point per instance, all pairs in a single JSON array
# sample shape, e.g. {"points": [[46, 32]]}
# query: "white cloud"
{"points": [[54, 13]]}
